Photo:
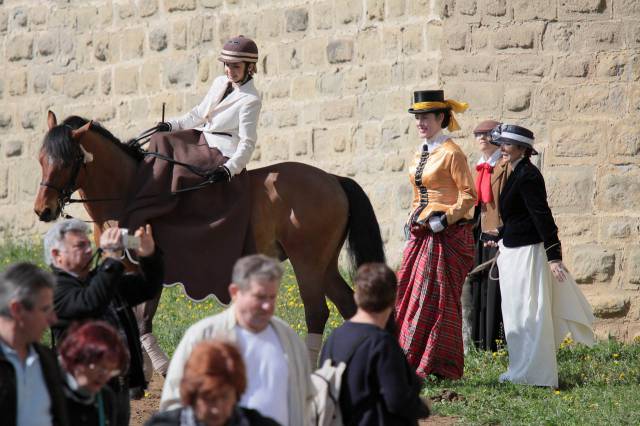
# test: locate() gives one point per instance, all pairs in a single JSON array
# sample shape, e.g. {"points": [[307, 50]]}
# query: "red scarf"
{"points": [[483, 183]]}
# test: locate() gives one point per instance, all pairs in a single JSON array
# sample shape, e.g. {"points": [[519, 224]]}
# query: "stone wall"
{"points": [[337, 77]]}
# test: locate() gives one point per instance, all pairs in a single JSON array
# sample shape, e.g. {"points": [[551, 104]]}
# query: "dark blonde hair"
{"points": [[212, 364], [375, 285]]}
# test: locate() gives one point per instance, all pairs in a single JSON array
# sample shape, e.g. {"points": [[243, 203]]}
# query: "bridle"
{"points": [[64, 193]]}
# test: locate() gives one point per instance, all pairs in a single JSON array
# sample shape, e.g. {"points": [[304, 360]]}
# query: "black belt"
{"points": [[221, 133]]}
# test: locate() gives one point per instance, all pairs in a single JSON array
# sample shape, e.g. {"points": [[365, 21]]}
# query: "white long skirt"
{"points": [[538, 313]]}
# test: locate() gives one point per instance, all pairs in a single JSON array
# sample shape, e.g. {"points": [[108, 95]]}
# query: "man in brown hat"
{"points": [[491, 174]]}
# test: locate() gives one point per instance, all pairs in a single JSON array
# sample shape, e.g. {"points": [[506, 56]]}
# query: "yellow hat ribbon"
{"points": [[454, 106]]}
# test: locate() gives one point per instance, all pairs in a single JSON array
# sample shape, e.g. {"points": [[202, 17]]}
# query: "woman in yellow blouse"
{"points": [[439, 251]]}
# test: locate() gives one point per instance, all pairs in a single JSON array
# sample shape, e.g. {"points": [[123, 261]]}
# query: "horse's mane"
{"points": [[59, 145]]}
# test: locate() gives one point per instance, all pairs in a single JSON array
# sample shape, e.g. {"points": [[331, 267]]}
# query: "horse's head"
{"points": [[61, 158]]}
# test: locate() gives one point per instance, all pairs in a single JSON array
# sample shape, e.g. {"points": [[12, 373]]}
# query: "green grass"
{"points": [[598, 386]]}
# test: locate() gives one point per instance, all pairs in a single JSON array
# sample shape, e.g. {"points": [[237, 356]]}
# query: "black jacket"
{"points": [[379, 387], [108, 289], [52, 378], [240, 417], [525, 212], [83, 411]]}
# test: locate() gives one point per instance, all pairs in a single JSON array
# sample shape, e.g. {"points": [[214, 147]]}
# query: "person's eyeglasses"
{"points": [[482, 135], [104, 372]]}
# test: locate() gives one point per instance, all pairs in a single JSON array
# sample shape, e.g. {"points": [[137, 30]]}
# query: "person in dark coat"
{"points": [[213, 382], [541, 303], [379, 387], [92, 354], [105, 292], [30, 378]]}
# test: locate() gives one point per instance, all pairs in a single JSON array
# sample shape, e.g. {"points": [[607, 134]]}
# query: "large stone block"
{"points": [[600, 99], [12, 148], [485, 98], [5, 119], [80, 84], [576, 227], [196, 27], [279, 88], [181, 72], [339, 109], [303, 88], [468, 67], [592, 263], [374, 10], [367, 46], [412, 40], [297, 19], [126, 80], [578, 139], [515, 37], [322, 15], [270, 25], [613, 304], [617, 228], [395, 8], [347, 11], [551, 102], [150, 7], [633, 263], [573, 66], [618, 189], [583, 9], [496, 8], [627, 9], [179, 35], [126, 10], [103, 47], [106, 80], [4, 182], [289, 58], [330, 83], [457, 40], [524, 67], [20, 47], [158, 39], [378, 76], [132, 44], [47, 43], [418, 70], [179, 5], [601, 37], [327, 141], [570, 190], [4, 21], [613, 66], [624, 140], [30, 118], [17, 83], [38, 16], [340, 50], [525, 10], [517, 99]]}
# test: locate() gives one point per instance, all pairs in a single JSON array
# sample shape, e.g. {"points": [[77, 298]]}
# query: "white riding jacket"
{"points": [[236, 115]]}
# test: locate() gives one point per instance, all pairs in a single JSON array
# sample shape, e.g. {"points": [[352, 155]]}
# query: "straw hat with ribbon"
{"points": [[433, 101]]}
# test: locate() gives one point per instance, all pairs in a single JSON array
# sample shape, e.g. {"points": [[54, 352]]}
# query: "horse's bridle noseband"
{"points": [[64, 193]]}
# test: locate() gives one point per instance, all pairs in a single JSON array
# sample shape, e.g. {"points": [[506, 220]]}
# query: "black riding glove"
{"points": [[163, 126], [221, 174]]}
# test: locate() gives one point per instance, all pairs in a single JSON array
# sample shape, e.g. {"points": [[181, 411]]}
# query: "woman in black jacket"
{"points": [[541, 304], [91, 355]]}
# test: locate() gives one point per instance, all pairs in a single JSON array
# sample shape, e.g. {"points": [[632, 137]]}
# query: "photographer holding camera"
{"points": [[105, 292]]}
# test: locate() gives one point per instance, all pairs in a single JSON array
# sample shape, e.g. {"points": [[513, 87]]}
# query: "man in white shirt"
{"points": [[30, 379], [278, 370]]}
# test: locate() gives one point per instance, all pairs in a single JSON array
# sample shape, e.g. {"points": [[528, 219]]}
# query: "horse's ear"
{"points": [[76, 134], [52, 121]]}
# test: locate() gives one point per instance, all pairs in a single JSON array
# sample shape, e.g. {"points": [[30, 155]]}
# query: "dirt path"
{"points": [[143, 409]]}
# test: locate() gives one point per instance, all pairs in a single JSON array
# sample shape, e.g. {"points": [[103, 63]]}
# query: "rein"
{"points": [[64, 193]]}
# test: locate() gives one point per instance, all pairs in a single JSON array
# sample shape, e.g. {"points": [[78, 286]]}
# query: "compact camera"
{"points": [[129, 241]]}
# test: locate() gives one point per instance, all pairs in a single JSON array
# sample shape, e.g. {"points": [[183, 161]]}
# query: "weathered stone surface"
{"points": [[297, 19], [47, 43], [395, 8], [578, 139], [375, 10], [582, 6], [212, 4], [515, 37], [592, 264], [575, 227], [20, 47], [105, 82], [612, 66], [627, 9], [181, 73], [322, 15], [412, 40], [528, 67], [570, 190], [573, 66], [599, 99], [517, 99], [30, 118], [610, 305], [496, 7], [19, 17], [131, 44], [4, 182], [467, 7], [18, 83], [624, 140], [125, 80], [12, 148], [148, 7], [179, 5], [158, 39], [340, 50], [4, 21], [347, 11], [76, 85], [179, 35], [469, 68], [5, 119], [615, 227], [618, 189], [457, 40], [633, 262], [336, 110], [525, 10]]}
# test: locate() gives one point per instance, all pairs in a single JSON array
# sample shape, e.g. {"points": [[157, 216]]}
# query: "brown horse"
{"points": [[299, 212]]}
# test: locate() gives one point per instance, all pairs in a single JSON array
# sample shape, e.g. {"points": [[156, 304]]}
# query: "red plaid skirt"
{"points": [[428, 310]]}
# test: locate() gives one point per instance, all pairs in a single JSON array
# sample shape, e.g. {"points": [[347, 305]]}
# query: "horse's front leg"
{"points": [[144, 315]]}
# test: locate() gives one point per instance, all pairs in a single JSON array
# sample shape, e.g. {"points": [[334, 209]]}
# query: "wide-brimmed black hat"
{"points": [[433, 101], [512, 134]]}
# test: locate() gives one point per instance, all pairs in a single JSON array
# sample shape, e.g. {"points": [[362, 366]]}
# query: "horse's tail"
{"points": [[365, 240]]}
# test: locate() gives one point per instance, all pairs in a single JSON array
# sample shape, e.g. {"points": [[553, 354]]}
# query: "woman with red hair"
{"points": [[92, 354], [214, 380]]}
